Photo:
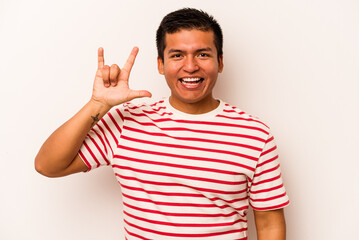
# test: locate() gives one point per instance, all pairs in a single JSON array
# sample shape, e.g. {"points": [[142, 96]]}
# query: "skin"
{"points": [[270, 225], [58, 155], [188, 54]]}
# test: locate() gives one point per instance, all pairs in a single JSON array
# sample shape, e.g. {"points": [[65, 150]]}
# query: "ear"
{"points": [[220, 64], [160, 66]]}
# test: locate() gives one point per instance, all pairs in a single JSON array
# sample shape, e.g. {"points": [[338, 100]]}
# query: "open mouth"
{"points": [[191, 81]]}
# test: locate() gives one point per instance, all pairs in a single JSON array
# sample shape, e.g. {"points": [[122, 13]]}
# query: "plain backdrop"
{"points": [[293, 63]]}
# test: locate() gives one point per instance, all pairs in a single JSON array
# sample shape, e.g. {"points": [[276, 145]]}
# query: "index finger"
{"points": [[130, 60], [101, 60]]}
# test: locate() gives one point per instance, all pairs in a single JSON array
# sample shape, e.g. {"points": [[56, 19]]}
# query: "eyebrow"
{"points": [[208, 49]]}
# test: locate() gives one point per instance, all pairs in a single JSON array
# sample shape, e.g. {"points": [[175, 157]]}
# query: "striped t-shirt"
{"points": [[187, 176]]}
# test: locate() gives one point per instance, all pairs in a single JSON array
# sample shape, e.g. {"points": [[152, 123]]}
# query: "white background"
{"points": [[292, 63]]}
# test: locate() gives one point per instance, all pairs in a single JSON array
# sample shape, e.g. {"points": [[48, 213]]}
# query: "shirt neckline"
{"points": [[210, 114]]}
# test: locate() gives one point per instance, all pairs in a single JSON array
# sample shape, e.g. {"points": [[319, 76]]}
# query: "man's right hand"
{"points": [[111, 86]]}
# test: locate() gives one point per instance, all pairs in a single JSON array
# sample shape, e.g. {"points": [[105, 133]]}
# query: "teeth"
{"points": [[190, 80]]}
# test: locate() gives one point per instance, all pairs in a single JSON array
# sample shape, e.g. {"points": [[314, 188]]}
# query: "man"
{"points": [[188, 165]]}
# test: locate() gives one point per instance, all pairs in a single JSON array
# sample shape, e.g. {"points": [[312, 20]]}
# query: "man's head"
{"points": [[188, 19]]}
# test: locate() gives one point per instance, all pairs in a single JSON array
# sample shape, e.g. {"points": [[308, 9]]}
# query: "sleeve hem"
{"points": [[274, 207], [83, 158]]}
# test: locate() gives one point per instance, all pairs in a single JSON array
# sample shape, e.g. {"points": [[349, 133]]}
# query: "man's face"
{"points": [[191, 67]]}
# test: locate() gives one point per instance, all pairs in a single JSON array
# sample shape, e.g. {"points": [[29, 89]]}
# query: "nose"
{"points": [[190, 64]]}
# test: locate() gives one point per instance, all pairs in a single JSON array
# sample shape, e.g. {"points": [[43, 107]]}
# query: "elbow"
{"points": [[41, 168]]}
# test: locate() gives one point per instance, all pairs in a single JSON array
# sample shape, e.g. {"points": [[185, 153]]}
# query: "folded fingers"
{"points": [[110, 75], [106, 75], [114, 72]]}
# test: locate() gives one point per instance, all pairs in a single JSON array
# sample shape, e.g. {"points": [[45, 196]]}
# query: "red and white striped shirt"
{"points": [[187, 176]]}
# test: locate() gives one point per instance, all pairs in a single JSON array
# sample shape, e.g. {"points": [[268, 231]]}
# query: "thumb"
{"points": [[138, 94]]}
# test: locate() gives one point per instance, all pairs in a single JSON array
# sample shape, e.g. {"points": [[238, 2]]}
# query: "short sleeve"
{"points": [[98, 147], [266, 190]]}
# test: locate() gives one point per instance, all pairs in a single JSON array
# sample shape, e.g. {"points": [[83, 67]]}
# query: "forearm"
{"points": [[278, 233], [270, 225], [60, 149], [58, 155]]}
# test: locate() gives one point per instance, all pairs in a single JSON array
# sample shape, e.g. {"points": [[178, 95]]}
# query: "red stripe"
{"points": [[268, 151], [187, 157], [92, 154], [184, 224], [266, 171], [178, 165], [185, 204], [271, 207], [269, 198], [198, 122], [240, 118], [101, 139], [267, 161], [188, 235], [109, 130], [189, 147], [106, 139], [234, 109], [266, 189], [266, 180], [120, 114], [136, 235], [193, 139], [156, 111], [130, 106], [100, 150], [173, 185], [199, 205], [181, 214], [154, 104], [143, 105], [173, 175], [85, 160], [114, 122], [197, 130], [244, 238], [158, 192], [159, 108], [270, 139], [229, 201]]}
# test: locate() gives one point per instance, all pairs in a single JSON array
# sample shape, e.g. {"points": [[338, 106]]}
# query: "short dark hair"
{"points": [[188, 18]]}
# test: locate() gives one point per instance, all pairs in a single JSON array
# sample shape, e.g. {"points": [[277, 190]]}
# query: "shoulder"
{"points": [[235, 115]]}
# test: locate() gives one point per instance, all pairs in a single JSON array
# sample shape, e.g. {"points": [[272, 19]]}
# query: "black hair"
{"points": [[188, 18]]}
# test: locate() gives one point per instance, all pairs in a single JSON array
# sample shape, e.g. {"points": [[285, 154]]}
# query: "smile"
{"points": [[193, 81]]}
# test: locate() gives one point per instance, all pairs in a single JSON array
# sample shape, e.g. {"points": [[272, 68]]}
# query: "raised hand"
{"points": [[111, 83]]}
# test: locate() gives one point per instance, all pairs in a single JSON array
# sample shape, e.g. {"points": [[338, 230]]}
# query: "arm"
{"points": [[270, 225], [58, 155]]}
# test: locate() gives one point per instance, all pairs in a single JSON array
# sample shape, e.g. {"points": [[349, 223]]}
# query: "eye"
{"points": [[176, 55], [202, 55]]}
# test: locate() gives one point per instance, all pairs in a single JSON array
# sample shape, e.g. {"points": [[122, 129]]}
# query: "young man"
{"points": [[189, 165]]}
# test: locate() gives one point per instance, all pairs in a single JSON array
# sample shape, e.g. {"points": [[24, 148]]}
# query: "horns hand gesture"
{"points": [[111, 83]]}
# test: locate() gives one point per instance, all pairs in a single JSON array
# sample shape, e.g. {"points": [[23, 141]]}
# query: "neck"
{"points": [[204, 106]]}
